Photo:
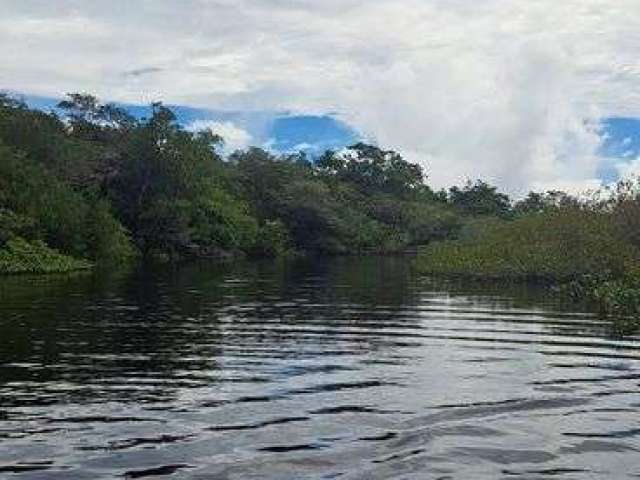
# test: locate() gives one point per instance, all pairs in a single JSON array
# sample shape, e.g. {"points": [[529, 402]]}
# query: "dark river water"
{"points": [[342, 368]]}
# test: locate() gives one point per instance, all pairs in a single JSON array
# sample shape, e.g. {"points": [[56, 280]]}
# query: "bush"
{"points": [[222, 221], [21, 256], [107, 240], [624, 205], [39, 206], [12, 224], [619, 296], [272, 239], [551, 246]]}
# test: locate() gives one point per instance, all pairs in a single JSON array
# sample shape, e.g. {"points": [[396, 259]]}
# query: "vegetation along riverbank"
{"points": [[94, 184], [90, 185], [586, 248]]}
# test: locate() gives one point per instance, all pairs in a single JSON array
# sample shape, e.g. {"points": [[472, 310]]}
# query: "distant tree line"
{"points": [[93, 184]]}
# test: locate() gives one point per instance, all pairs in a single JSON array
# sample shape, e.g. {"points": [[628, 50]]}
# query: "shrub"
{"points": [[624, 205], [558, 245], [37, 205], [13, 224], [107, 240], [21, 256], [272, 239], [223, 221]]}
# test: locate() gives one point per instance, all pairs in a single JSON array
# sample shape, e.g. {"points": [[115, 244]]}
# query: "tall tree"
{"points": [[480, 198]]}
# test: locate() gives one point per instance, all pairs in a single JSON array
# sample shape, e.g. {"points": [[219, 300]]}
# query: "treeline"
{"points": [[92, 184]]}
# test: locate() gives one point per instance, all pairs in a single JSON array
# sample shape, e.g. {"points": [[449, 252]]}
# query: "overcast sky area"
{"points": [[512, 91]]}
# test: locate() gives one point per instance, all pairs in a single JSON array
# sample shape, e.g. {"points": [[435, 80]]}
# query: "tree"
{"points": [[89, 181], [264, 177], [480, 198], [373, 170], [171, 193], [533, 203], [87, 116], [539, 202]]}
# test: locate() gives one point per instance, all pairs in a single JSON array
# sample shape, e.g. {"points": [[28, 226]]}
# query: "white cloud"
{"points": [[629, 170], [498, 89], [235, 138]]}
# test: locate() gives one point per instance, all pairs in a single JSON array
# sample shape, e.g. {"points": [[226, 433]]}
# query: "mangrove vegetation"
{"points": [[92, 183]]}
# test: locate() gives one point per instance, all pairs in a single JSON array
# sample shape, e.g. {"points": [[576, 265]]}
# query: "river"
{"points": [[345, 368]]}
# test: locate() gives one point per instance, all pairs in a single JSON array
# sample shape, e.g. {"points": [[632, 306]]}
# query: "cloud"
{"points": [[630, 170], [136, 72], [235, 138], [508, 90]]}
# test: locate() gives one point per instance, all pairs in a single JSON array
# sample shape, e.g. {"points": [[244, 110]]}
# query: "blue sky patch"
{"points": [[312, 134], [279, 131], [620, 145], [285, 132]]}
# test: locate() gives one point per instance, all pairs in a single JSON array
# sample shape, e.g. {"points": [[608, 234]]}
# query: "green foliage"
{"points": [[480, 198], [587, 248], [539, 202], [28, 190], [422, 222], [272, 239], [222, 220], [102, 185], [551, 246], [169, 190], [618, 298], [36, 204], [50, 144], [107, 239], [12, 224], [623, 202], [364, 200], [264, 180], [373, 170], [20, 256], [312, 216]]}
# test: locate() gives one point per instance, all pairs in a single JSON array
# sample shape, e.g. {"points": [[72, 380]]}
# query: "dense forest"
{"points": [[97, 185], [92, 185]]}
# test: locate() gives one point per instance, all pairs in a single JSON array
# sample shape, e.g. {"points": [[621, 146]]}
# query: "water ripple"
{"points": [[349, 368]]}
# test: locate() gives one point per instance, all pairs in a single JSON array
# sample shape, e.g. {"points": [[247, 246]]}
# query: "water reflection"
{"points": [[350, 368]]}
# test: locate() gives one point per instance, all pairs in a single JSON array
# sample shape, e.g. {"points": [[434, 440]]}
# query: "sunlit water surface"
{"points": [[343, 368]]}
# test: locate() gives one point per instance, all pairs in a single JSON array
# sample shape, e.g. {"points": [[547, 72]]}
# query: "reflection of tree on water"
{"points": [[152, 326], [99, 332], [526, 302], [146, 334], [271, 359], [315, 306]]}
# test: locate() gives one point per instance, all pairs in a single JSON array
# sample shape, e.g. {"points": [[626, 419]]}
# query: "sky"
{"points": [[525, 94]]}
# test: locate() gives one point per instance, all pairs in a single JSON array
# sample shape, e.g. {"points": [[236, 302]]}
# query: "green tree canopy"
{"points": [[480, 198]]}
